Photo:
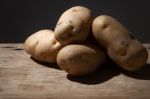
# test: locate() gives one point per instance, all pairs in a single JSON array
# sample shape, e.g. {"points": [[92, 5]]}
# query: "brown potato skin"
{"points": [[73, 25], [122, 47], [80, 59], [42, 46]]}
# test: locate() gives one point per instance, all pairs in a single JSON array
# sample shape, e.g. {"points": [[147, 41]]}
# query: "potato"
{"points": [[73, 25], [43, 46], [80, 59], [122, 47]]}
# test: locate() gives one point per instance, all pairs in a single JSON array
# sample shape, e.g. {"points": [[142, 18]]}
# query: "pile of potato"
{"points": [[71, 43]]}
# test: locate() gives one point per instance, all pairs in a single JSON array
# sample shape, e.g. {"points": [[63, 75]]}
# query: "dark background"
{"points": [[21, 18]]}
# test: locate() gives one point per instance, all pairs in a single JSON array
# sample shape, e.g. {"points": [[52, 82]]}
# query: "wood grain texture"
{"points": [[21, 77]]}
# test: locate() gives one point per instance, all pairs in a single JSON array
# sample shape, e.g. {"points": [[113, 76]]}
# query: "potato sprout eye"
{"points": [[59, 23], [125, 43], [70, 21], [104, 26], [74, 10]]}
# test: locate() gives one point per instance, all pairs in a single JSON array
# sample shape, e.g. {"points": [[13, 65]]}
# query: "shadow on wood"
{"points": [[143, 73], [49, 65], [105, 72]]}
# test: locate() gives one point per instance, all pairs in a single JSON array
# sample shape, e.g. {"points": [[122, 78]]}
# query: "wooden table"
{"points": [[22, 77]]}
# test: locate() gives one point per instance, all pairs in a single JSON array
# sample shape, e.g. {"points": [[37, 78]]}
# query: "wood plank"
{"points": [[24, 78]]}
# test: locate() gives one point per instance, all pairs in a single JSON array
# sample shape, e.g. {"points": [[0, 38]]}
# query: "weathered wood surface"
{"points": [[24, 78]]}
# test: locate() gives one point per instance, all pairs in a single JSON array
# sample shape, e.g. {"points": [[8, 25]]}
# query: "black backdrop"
{"points": [[20, 18]]}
